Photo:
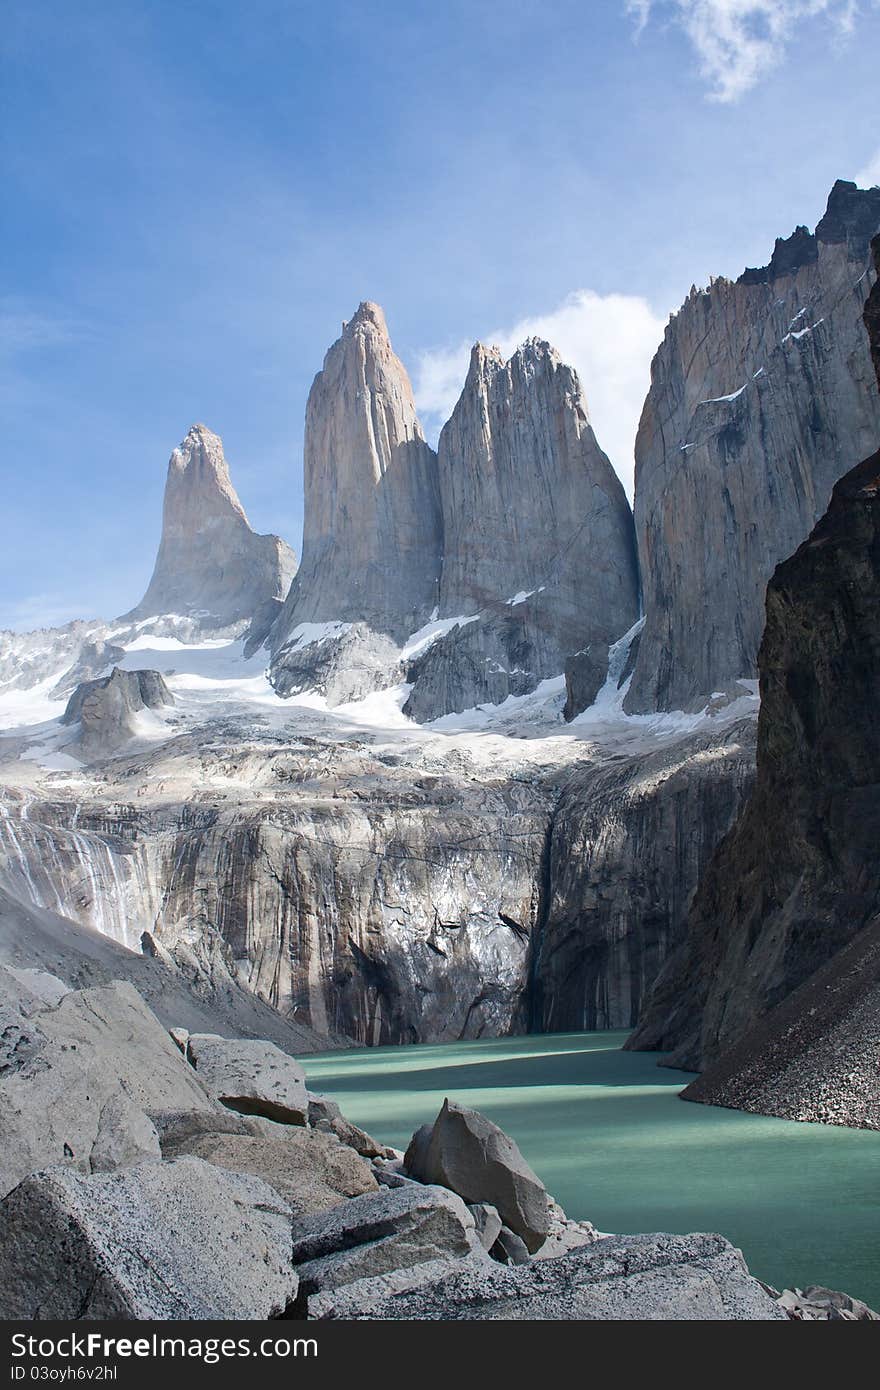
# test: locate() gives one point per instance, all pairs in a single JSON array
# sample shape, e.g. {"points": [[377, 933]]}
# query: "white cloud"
{"points": [[738, 42], [869, 176], [609, 340]]}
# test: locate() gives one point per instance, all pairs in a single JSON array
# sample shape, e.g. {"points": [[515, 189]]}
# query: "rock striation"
{"points": [[372, 535], [211, 565], [762, 393], [796, 880], [538, 535]]}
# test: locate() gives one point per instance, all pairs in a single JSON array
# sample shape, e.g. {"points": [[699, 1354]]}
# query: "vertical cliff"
{"points": [[372, 535], [797, 879], [211, 565], [762, 393], [538, 536]]}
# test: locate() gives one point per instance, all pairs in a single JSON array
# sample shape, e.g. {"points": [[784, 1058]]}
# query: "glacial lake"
{"points": [[606, 1132]]}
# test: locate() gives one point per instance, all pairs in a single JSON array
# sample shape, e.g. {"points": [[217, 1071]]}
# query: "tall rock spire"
{"points": [[372, 535], [538, 535], [211, 564]]}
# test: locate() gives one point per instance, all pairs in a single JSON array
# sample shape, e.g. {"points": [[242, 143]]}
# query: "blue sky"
{"points": [[196, 194]]}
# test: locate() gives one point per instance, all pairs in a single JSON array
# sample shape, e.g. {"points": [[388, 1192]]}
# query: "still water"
{"points": [[606, 1132]]}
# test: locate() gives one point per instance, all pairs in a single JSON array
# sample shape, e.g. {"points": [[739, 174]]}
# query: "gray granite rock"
{"points": [[470, 1155], [126, 1137], [623, 1278], [383, 1234], [92, 1050], [106, 711], [762, 396], [211, 565], [250, 1076], [310, 1170], [585, 673], [538, 534], [372, 529], [175, 1240]]}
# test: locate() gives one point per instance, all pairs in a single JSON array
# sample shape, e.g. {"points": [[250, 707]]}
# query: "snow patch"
{"points": [[419, 642]]}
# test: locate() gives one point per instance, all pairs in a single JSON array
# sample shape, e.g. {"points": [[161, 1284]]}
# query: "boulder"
{"points": [[325, 1115], [623, 1278], [488, 1223], [310, 1170], [470, 1155], [509, 1249], [250, 1076], [379, 1235], [818, 1304], [96, 1045], [125, 1138], [175, 1240]]}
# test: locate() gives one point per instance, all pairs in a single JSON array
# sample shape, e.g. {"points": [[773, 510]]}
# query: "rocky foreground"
{"points": [[156, 1174]]}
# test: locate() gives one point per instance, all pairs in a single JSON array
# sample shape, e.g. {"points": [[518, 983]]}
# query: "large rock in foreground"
{"points": [[470, 1155], [211, 565], [624, 1278], [179, 1240], [96, 1046], [251, 1076]]}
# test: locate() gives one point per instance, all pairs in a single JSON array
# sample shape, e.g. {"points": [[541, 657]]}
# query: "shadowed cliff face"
{"points": [[210, 564], [372, 535], [762, 393], [798, 877]]}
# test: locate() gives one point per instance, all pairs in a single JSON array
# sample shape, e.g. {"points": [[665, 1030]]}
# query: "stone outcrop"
{"points": [[762, 395], [796, 880], [211, 565], [372, 535], [250, 1076], [179, 1240], [538, 535], [466, 1152], [624, 1278], [107, 710]]}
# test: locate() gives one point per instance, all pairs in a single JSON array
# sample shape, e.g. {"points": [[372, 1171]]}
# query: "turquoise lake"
{"points": [[607, 1133]]}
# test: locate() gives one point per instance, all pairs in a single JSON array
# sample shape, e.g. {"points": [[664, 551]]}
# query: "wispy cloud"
{"points": [[23, 329], [869, 176], [738, 42], [608, 339]]}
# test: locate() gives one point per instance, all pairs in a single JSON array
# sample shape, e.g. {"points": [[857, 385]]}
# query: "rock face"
{"points": [[83, 1054], [762, 394], [628, 845], [372, 535], [624, 1278], [107, 710], [178, 1240], [796, 879], [538, 535], [211, 565], [466, 1152]]}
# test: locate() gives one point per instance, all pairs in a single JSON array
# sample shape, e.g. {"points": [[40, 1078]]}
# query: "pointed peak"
{"points": [[368, 314]]}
